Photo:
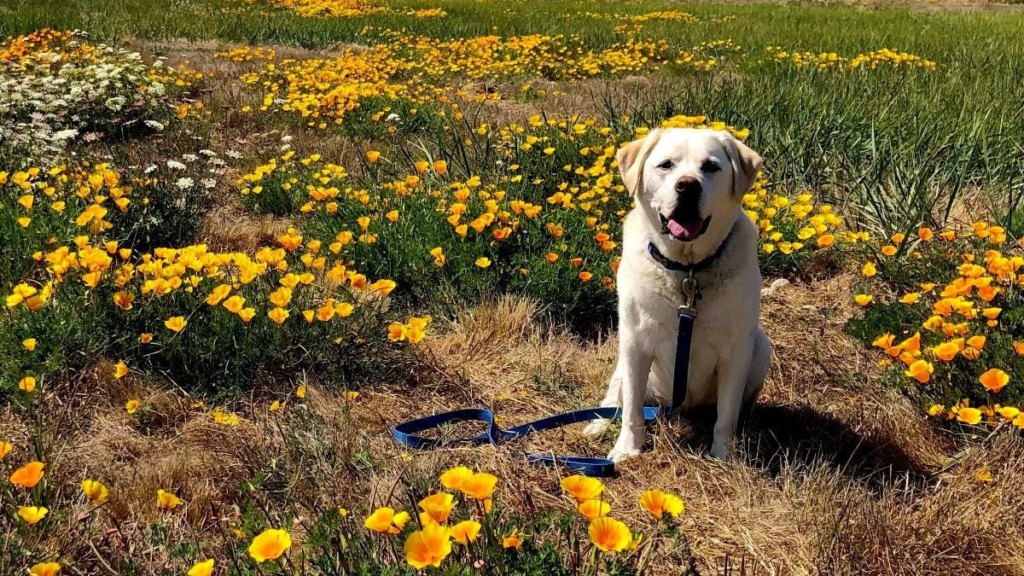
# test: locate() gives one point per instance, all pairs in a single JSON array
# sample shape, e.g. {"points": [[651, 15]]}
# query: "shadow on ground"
{"points": [[775, 437]]}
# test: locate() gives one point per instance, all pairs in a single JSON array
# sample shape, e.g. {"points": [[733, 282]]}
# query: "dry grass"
{"points": [[836, 476]]}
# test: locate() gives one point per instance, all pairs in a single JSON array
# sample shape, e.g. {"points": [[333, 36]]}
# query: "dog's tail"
{"points": [[773, 288]]}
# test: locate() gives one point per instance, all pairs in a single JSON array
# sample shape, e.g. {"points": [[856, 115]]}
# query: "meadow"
{"points": [[245, 238]]}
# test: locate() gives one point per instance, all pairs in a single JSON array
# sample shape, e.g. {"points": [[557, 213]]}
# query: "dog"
{"points": [[688, 186]]}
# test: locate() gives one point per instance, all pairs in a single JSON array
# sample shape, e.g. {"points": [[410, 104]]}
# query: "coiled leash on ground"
{"points": [[407, 432]]}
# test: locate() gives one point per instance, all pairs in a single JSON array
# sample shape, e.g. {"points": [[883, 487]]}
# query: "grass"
{"points": [[277, 422], [886, 137]]}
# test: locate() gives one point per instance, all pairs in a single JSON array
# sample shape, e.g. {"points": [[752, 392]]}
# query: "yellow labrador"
{"points": [[687, 184]]}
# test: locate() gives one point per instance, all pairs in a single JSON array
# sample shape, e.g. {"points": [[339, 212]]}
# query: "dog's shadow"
{"points": [[775, 438]]}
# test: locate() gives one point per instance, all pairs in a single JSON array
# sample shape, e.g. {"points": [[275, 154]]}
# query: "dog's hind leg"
{"points": [[613, 398], [758, 370]]}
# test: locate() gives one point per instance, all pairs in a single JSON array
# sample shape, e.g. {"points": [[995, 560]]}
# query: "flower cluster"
{"points": [[327, 8], [959, 287], [56, 86], [885, 57], [441, 523], [514, 227], [339, 8]]}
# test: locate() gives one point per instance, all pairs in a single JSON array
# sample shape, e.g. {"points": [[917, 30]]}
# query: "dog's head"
{"points": [[683, 179]]}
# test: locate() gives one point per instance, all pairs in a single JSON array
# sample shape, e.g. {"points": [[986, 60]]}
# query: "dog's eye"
{"points": [[710, 166], [665, 164]]}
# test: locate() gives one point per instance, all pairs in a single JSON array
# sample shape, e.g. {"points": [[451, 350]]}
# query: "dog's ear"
{"points": [[745, 164], [631, 158]]}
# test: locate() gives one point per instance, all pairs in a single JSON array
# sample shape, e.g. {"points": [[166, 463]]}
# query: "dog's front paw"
{"points": [[597, 427], [721, 451], [619, 454], [627, 446]]}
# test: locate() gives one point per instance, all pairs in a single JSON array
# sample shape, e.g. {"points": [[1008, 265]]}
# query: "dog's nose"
{"points": [[688, 185]]}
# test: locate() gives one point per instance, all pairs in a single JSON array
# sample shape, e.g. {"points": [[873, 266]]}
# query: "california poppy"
{"points": [[466, 532], [28, 475], [269, 545], [438, 506], [609, 534], [428, 547], [95, 491], [591, 509], [994, 380], [203, 568], [659, 503], [166, 500], [582, 488]]}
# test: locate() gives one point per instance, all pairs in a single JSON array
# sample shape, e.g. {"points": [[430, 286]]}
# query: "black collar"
{"points": [[679, 266]]}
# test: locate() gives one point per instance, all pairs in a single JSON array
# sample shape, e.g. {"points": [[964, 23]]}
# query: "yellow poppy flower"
{"points": [[483, 262], [1009, 412], [120, 370], [28, 475], [234, 304], [95, 491], [591, 509], [582, 488], [44, 569], [269, 545], [920, 370], [29, 344], [278, 315], [428, 547], [994, 380], [203, 568], [176, 323], [863, 299], [659, 503], [946, 351], [512, 541], [166, 500], [466, 532], [609, 534], [27, 384], [453, 478], [438, 506], [397, 332], [970, 416], [479, 486], [32, 514], [385, 521]]}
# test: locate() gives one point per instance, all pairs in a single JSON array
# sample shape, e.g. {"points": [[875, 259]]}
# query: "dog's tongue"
{"points": [[684, 230]]}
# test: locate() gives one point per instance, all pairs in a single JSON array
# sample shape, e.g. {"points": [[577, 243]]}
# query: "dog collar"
{"points": [[670, 264]]}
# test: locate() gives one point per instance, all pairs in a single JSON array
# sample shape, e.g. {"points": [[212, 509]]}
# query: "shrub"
{"points": [[55, 86]]}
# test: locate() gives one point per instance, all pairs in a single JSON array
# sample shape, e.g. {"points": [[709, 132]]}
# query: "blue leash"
{"points": [[407, 432]]}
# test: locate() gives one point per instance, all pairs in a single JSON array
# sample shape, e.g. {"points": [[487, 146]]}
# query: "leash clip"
{"points": [[690, 293]]}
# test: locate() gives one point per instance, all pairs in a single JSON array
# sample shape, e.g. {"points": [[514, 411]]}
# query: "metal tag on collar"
{"points": [[689, 289]]}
